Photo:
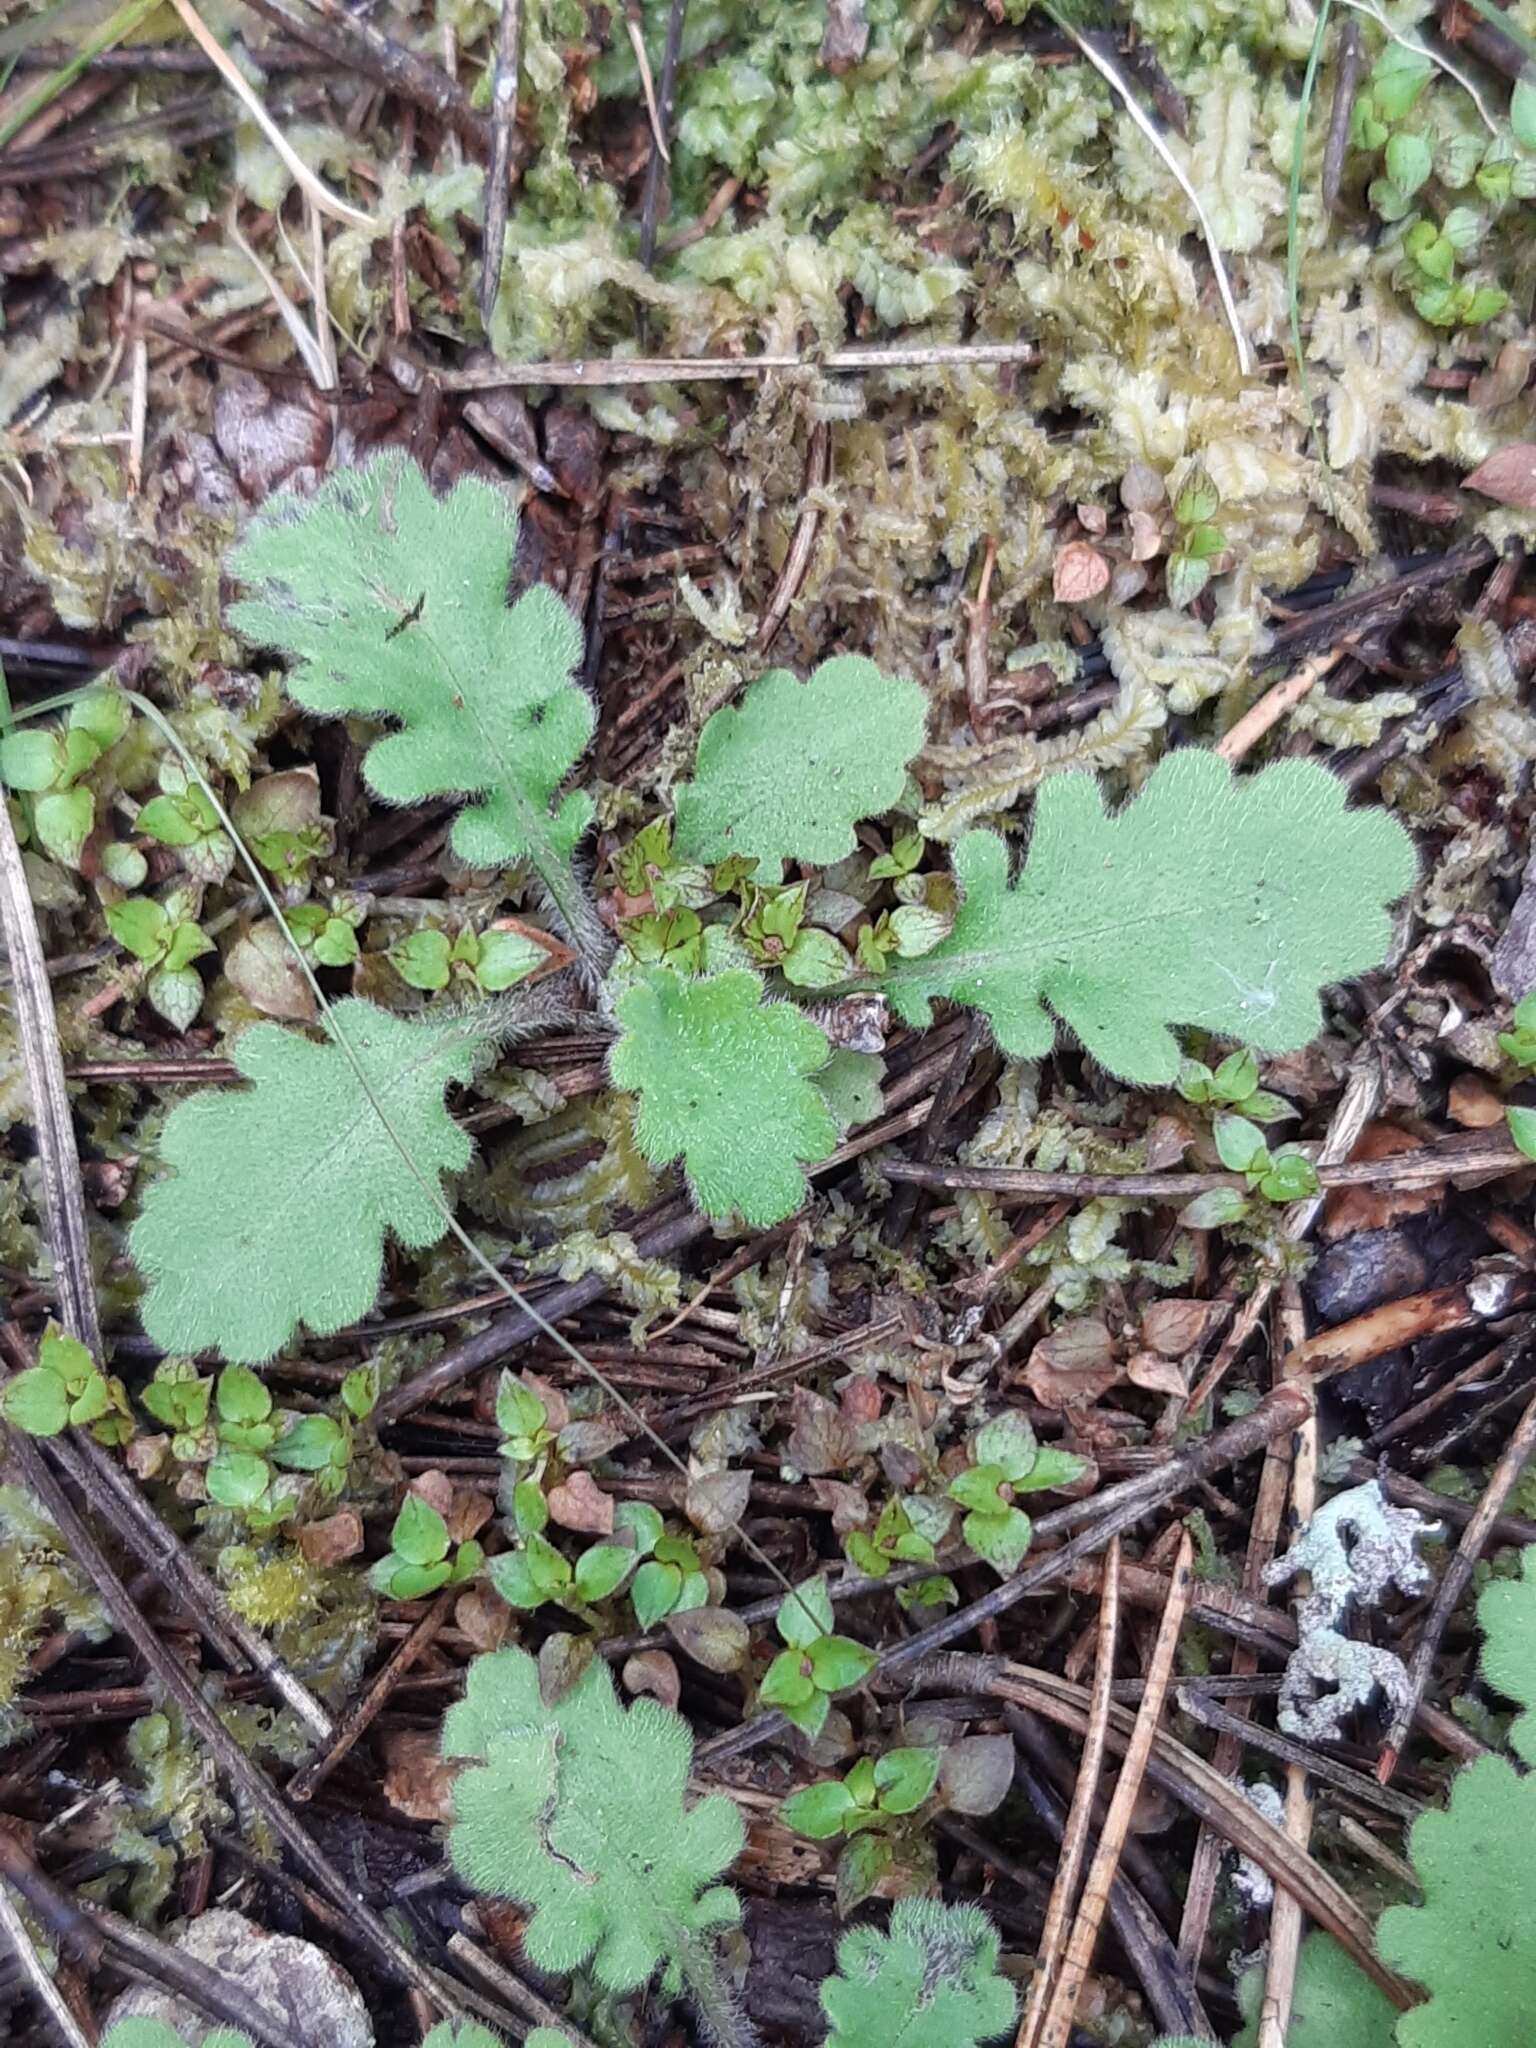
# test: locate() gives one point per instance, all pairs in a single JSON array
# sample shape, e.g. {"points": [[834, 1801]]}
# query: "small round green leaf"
{"points": [[818, 1811], [837, 1662], [905, 1778], [37, 1401]]}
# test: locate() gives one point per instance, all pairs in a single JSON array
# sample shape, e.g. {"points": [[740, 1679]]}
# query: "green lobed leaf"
{"points": [[1336, 2005], [1506, 1614], [1472, 1942], [788, 773], [1209, 900], [148, 2033], [931, 1982], [578, 1812], [282, 1194], [721, 1074], [818, 1811], [391, 601]]}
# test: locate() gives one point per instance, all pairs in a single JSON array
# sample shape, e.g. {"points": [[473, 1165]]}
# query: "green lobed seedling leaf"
{"points": [[1506, 1614], [789, 773], [1208, 900], [1472, 1943], [931, 1982], [392, 601], [146, 2033], [282, 1194], [722, 1077], [578, 1812], [1335, 2005]]}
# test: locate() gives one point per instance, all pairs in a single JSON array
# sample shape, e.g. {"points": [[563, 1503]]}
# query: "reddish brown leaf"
{"points": [[579, 1503], [654, 1672], [1073, 1366], [1157, 1375], [1509, 475], [418, 1782], [1078, 573], [339, 1536], [1350, 1209], [1174, 1328]]}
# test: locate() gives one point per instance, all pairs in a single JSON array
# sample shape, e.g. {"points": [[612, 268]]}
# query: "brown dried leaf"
{"points": [[579, 1503], [1168, 1139], [1348, 1209], [654, 1672], [716, 1501], [1174, 1328], [976, 1773], [483, 1616], [1156, 1375], [1509, 476], [1473, 1104], [1073, 1366], [820, 1438], [338, 1537], [418, 1780], [711, 1636], [1078, 573]]}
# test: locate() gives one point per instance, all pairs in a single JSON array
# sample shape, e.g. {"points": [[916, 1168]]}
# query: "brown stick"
{"points": [[1192, 1781], [1454, 1583], [1286, 1919], [1263, 1531], [498, 176], [1074, 1841], [1057, 2027], [307, 1780], [1484, 1298], [357, 45], [1346, 84], [1482, 1153], [1274, 704], [818, 467], [597, 374]]}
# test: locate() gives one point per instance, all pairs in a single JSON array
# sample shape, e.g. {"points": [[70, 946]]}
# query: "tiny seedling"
{"points": [[47, 765], [932, 1981], [877, 1808], [1008, 1462], [816, 1664], [671, 1579], [422, 1556], [1233, 1085], [67, 1389]]}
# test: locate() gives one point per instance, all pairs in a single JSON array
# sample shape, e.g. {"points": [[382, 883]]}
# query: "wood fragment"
{"points": [[1056, 2028], [307, 1780], [1052, 1950], [1454, 1582], [1286, 1918], [498, 174]]}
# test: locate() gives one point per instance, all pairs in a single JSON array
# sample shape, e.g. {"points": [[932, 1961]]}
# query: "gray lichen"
{"points": [[1354, 1550]]}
